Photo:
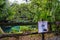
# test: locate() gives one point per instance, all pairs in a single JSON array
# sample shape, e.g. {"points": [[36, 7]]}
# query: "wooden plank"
{"points": [[14, 35], [20, 23]]}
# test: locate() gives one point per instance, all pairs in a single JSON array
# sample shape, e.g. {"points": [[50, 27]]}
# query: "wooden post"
{"points": [[1, 31]]}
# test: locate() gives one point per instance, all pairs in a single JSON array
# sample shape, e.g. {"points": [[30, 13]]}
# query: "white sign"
{"points": [[42, 26]]}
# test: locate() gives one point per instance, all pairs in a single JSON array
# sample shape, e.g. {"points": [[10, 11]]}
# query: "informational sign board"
{"points": [[42, 26]]}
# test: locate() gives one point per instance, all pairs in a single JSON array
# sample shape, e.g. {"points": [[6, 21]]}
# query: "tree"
{"points": [[39, 10], [6, 12], [2, 4]]}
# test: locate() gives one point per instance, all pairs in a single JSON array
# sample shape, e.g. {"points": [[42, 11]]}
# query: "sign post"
{"points": [[43, 36], [42, 27]]}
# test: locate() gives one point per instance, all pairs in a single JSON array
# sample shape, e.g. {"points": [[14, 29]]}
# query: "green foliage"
{"points": [[25, 28], [2, 3], [37, 10], [28, 29], [11, 12]]}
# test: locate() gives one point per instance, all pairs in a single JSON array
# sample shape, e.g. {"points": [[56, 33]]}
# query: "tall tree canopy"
{"points": [[36, 10]]}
